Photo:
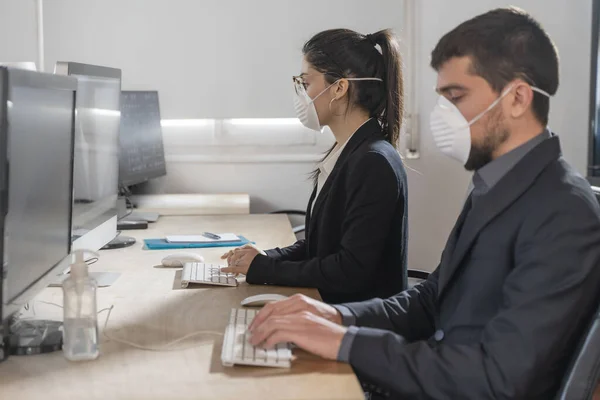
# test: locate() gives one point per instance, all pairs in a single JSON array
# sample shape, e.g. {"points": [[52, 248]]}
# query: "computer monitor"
{"points": [[142, 154], [37, 114], [3, 207], [96, 165], [30, 65]]}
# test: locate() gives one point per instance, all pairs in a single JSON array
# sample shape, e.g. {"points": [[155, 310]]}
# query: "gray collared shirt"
{"points": [[490, 174], [484, 179]]}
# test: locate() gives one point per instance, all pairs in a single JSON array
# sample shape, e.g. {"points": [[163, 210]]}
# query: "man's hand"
{"points": [[295, 305], [306, 330]]}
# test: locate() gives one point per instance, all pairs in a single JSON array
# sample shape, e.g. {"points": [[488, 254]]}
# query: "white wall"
{"points": [[209, 58], [17, 31]]}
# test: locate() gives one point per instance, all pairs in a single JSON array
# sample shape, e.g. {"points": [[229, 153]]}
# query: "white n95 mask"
{"points": [[305, 106], [452, 132]]}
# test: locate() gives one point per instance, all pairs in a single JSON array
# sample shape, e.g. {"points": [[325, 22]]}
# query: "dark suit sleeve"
{"points": [[547, 301], [295, 252], [410, 313], [372, 192]]}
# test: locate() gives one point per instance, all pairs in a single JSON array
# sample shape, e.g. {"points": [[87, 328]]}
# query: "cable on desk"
{"points": [[165, 347]]}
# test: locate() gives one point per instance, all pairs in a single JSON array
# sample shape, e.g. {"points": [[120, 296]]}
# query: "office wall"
{"points": [[17, 31], [209, 58]]}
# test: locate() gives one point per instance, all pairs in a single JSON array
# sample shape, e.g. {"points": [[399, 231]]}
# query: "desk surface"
{"points": [[150, 309]]}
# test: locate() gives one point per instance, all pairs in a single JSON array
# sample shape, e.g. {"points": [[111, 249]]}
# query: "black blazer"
{"points": [[355, 247], [501, 316]]}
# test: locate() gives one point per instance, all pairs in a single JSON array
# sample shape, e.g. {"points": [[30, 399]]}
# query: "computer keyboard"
{"points": [[206, 274], [237, 349]]}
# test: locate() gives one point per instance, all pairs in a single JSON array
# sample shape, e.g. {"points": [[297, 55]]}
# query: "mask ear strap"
{"points": [[324, 90], [481, 114], [535, 89], [348, 79], [540, 91], [364, 79]]}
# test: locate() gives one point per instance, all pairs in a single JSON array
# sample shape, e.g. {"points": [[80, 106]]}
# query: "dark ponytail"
{"points": [[343, 53], [392, 116]]}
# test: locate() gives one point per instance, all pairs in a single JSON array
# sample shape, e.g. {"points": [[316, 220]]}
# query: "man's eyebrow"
{"points": [[447, 88]]}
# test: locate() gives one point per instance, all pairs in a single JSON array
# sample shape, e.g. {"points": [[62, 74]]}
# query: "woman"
{"points": [[356, 223]]}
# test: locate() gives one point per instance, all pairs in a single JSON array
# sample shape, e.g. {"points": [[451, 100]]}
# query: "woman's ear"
{"points": [[340, 89]]}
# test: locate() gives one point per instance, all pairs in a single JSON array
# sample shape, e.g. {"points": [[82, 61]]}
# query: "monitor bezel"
{"points": [[32, 79]]}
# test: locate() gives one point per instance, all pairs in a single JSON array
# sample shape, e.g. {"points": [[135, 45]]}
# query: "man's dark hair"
{"points": [[505, 44]]}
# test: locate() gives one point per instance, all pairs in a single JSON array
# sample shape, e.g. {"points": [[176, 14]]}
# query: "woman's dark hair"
{"points": [[343, 53]]}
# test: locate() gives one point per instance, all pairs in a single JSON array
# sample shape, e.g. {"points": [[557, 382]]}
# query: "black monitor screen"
{"points": [[141, 156], [40, 154]]}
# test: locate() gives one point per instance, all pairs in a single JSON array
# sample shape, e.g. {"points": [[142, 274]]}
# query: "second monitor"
{"points": [[142, 155], [96, 153]]}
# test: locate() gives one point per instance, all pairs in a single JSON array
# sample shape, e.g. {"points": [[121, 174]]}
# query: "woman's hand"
{"points": [[239, 260]]}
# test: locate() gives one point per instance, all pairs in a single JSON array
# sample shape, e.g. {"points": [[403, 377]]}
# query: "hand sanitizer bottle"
{"points": [[80, 323]]}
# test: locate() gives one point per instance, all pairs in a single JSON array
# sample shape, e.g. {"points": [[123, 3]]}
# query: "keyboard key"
{"points": [[271, 355], [238, 350], [207, 274]]}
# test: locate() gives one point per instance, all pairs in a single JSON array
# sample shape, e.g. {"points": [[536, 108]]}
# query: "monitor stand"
{"points": [[119, 242], [28, 337], [145, 216], [127, 209]]}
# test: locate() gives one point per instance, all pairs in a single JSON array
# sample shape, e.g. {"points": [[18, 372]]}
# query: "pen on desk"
{"points": [[211, 236]]}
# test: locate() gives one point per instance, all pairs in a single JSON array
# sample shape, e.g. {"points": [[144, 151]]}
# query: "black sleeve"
{"points": [[373, 193], [295, 252], [410, 313], [547, 300]]}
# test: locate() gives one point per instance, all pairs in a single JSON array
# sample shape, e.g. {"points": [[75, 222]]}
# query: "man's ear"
{"points": [[521, 99]]}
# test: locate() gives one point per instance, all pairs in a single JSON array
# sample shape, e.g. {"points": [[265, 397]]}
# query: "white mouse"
{"points": [[178, 259], [261, 299]]}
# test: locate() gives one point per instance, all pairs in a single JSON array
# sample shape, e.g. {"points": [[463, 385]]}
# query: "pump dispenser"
{"points": [[80, 323]]}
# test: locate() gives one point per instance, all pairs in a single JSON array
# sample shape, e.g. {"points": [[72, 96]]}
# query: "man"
{"points": [[501, 316]]}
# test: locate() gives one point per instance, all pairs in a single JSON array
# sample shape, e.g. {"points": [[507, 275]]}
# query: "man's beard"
{"points": [[495, 135]]}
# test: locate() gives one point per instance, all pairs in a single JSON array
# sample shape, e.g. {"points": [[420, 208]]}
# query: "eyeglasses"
{"points": [[300, 84]]}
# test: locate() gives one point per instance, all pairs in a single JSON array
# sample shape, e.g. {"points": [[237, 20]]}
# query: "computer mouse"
{"points": [[178, 259], [261, 299]]}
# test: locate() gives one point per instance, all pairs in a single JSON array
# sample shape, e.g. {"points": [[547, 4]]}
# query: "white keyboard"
{"points": [[206, 274], [237, 349]]}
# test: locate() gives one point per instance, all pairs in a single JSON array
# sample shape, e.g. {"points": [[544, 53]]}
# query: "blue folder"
{"points": [[162, 244]]}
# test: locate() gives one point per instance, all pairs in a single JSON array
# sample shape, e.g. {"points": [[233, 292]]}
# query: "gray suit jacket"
{"points": [[501, 315]]}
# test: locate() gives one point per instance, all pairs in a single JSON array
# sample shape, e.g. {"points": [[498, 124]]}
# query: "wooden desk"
{"points": [[150, 309]]}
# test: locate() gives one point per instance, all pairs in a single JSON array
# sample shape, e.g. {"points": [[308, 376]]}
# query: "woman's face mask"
{"points": [[305, 106]]}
